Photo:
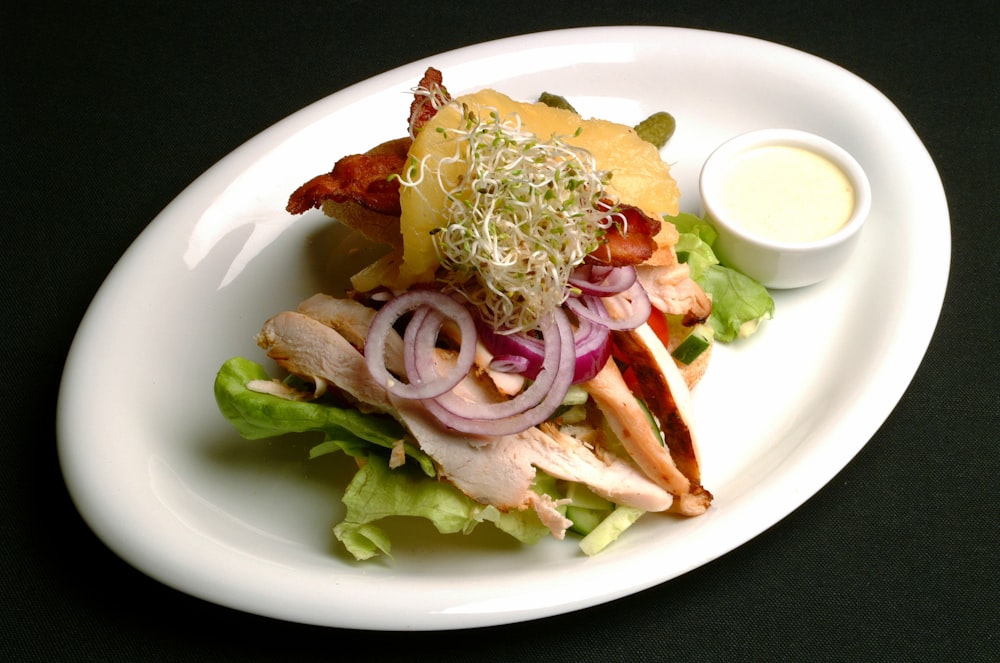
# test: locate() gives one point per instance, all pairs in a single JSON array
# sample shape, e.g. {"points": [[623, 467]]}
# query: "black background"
{"points": [[111, 109]]}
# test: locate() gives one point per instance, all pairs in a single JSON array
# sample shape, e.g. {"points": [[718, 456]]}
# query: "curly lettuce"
{"points": [[377, 491], [739, 303]]}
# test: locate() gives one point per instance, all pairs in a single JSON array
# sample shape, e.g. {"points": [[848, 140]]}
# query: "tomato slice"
{"points": [[658, 323]]}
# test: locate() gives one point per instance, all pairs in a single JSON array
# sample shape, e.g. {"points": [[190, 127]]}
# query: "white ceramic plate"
{"points": [[168, 485]]}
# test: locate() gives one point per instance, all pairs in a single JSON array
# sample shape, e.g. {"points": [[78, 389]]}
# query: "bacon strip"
{"points": [[430, 95], [359, 178], [629, 240], [364, 178]]}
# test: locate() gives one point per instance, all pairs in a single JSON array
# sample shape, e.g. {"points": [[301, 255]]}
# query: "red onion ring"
{"points": [[433, 310], [510, 364], [593, 350], [603, 281], [592, 344], [518, 344], [529, 408], [635, 301]]}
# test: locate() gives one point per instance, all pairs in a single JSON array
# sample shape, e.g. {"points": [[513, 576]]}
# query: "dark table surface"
{"points": [[111, 109]]}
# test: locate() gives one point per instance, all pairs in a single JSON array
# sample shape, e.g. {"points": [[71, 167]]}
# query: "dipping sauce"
{"points": [[786, 193]]}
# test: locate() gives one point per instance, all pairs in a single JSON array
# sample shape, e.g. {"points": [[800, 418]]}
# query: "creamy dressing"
{"points": [[787, 193]]}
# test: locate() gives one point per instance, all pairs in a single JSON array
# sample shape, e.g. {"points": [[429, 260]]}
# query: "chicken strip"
{"points": [[497, 470], [665, 398], [630, 424], [501, 470], [351, 320], [671, 290], [308, 348]]}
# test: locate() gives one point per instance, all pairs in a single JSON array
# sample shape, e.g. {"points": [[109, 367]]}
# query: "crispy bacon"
{"points": [[429, 95], [364, 178], [629, 240], [360, 178]]}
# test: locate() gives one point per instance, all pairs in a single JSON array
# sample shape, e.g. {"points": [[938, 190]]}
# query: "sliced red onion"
{"points": [[600, 281], [510, 364], [593, 349], [420, 354], [592, 343], [517, 344], [529, 408], [635, 302], [433, 310]]}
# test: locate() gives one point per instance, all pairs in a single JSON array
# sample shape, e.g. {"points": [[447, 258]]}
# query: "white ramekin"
{"points": [[781, 264]]}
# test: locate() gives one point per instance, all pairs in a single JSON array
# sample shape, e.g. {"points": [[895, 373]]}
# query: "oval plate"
{"points": [[168, 485]]}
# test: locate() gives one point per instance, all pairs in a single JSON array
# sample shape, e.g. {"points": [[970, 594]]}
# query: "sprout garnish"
{"points": [[520, 215]]}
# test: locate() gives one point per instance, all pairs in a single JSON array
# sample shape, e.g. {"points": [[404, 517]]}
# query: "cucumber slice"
{"points": [[585, 520], [586, 510], [610, 529], [583, 497], [691, 347]]}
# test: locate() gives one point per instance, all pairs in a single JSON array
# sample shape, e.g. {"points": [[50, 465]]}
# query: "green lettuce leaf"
{"points": [[376, 491], [363, 540], [739, 303], [259, 416]]}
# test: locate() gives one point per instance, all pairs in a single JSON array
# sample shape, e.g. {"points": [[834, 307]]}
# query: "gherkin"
{"points": [[556, 101], [657, 128]]}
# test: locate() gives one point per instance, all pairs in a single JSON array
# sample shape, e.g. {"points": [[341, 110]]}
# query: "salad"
{"points": [[523, 354]]}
